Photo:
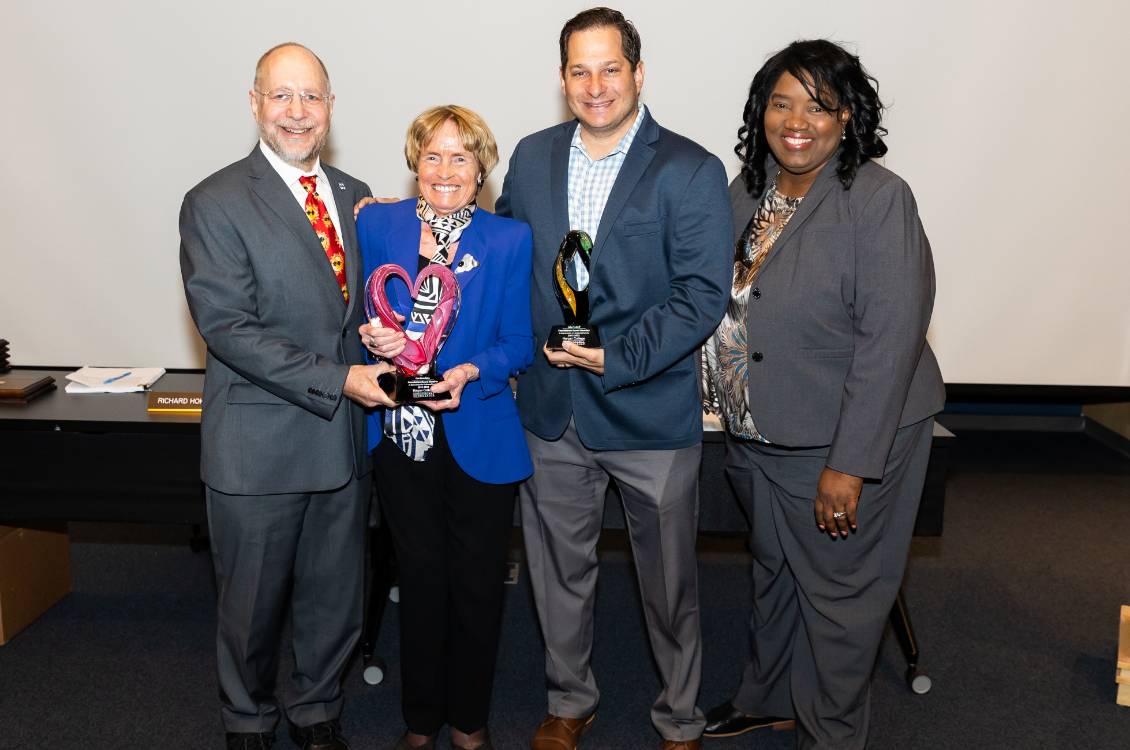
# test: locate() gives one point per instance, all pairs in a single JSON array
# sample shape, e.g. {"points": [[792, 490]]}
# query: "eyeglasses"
{"points": [[283, 97]]}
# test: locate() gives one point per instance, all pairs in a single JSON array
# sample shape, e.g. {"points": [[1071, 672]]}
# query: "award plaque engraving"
{"points": [[435, 306], [576, 249]]}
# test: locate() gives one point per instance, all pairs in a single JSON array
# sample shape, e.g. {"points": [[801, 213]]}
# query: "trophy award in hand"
{"points": [[576, 249], [434, 309]]}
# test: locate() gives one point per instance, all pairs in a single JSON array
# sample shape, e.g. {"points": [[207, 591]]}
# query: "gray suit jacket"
{"points": [[280, 336], [837, 320], [660, 279]]}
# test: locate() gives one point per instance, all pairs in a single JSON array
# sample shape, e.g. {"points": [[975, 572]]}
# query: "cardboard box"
{"points": [[35, 572], [1122, 668]]}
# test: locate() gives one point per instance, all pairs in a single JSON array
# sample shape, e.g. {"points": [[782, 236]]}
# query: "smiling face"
{"points": [[600, 87], [296, 131], [801, 133], [446, 172]]}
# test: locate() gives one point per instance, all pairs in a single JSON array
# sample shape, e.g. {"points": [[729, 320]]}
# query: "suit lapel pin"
{"points": [[341, 186]]}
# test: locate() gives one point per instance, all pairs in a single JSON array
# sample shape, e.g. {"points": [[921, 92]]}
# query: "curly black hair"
{"points": [[835, 79]]}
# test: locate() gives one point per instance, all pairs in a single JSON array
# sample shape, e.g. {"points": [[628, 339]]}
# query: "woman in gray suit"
{"points": [[822, 376]]}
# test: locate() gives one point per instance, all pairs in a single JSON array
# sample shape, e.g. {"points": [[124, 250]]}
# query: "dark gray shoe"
{"points": [[249, 740], [325, 735]]}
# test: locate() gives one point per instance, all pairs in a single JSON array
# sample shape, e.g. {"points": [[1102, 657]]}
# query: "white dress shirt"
{"points": [[322, 187]]}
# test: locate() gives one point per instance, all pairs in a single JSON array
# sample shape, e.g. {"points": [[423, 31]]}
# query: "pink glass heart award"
{"points": [[434, 310]]}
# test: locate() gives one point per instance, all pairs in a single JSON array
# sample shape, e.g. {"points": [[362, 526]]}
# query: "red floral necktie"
{"points": [[324, 227]]}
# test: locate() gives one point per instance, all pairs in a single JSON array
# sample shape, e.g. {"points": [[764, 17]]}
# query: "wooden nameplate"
{"points": [[168, 402]]}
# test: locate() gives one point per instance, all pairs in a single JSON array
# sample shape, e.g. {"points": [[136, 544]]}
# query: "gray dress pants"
{"points": [[268, 550], [562, 513], [820, 604]]}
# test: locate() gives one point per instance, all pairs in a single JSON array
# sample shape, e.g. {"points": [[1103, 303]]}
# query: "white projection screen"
{"points": [[1009, 119]]}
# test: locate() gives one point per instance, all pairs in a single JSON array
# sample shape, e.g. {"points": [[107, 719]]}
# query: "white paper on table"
{"points": [[93, 379]]}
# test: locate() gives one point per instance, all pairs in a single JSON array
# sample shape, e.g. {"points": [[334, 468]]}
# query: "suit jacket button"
{"points": [[756, 356], [756, 293]]}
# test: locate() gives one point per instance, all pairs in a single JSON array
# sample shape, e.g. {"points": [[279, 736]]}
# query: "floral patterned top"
{"points": [[725, 355]]}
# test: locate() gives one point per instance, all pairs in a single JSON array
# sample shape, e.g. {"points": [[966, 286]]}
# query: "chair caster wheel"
{"points": [[920, 684], [374, 674]]}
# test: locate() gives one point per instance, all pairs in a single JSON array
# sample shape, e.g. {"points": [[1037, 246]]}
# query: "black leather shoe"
{"points": [[325, 735], [249, 741], [727, 721]]}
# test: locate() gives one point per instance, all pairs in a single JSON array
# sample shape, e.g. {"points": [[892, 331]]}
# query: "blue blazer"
{"points": [[660, 281], [492, 331]]}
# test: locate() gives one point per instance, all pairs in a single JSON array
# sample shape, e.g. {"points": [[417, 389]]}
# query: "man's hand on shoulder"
{"points": [[361, 385], [588, 358], [367, 200]]}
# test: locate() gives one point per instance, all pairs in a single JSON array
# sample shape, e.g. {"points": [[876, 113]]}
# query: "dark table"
{"points": [[103, 457], [100, 457]]}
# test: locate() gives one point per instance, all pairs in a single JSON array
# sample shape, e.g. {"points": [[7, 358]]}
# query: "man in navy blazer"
{"points": [[657, 209]]}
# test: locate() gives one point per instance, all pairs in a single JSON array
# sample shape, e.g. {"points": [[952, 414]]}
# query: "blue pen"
{"points": [[116, 377]]}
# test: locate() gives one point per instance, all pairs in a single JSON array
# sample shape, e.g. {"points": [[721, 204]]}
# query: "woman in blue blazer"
{"points": [[447, 471]]}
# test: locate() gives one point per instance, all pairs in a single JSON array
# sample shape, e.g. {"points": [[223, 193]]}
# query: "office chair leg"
{"points": [[916, 679], [381, 575]]}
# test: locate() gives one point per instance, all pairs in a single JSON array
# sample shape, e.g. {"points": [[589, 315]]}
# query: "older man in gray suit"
{"points": [[273, 279], [627, 410]]}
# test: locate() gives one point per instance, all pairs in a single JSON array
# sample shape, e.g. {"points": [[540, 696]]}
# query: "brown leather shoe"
{"points": [[559, 733], [682, 744]]}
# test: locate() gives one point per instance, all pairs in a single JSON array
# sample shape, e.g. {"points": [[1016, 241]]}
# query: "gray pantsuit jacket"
{"points": [[845, 363]]}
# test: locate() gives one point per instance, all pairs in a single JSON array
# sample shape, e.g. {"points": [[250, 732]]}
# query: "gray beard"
{"points": [[297, 159]]}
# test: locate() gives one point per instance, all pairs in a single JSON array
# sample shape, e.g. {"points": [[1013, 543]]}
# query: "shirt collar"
{"points": [[288, 172], [625, 141]]}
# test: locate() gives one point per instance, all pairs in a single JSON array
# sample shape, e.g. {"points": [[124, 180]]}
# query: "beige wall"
{"points": [[132, 73], [1112, 416]]}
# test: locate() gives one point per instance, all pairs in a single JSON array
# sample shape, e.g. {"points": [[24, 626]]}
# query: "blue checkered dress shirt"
{"points": [[591, 181]]}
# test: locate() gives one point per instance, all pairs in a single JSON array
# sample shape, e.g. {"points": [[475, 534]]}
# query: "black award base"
{"points": [[407, 389], [574, 334]]}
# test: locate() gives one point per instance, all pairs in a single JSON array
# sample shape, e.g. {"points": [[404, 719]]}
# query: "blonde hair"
{"points": [[473, 132]]}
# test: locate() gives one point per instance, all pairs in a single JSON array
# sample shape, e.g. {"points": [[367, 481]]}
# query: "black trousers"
{"points": [[451, 534]]}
